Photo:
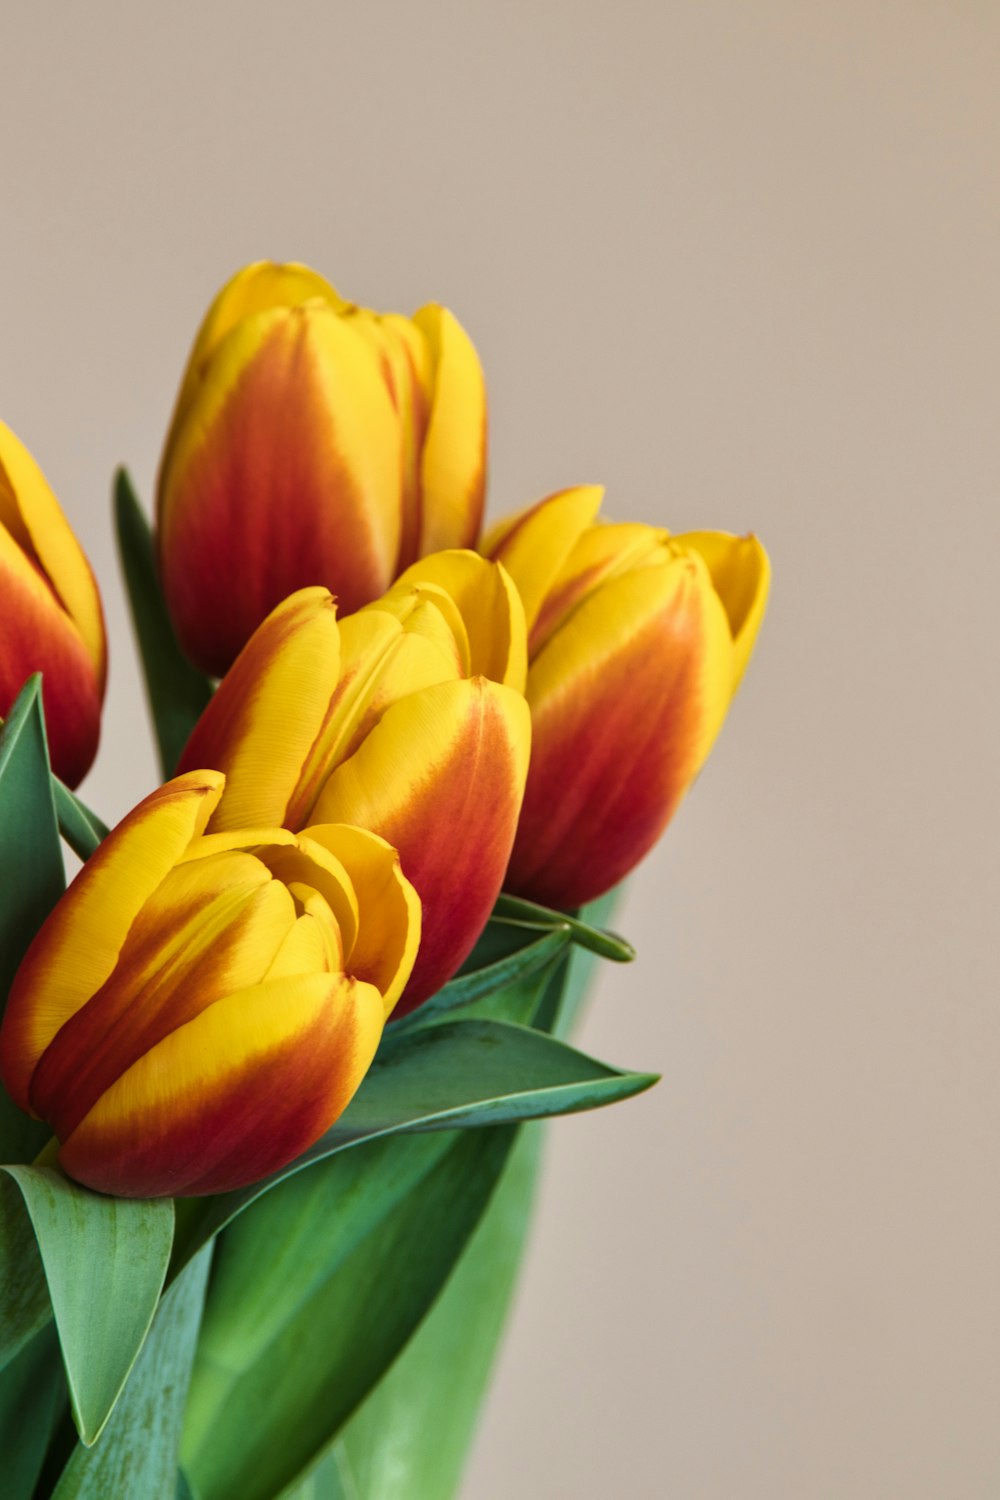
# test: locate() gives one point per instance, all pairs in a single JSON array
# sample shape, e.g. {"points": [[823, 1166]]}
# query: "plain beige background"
{"points": [[738, 261]]}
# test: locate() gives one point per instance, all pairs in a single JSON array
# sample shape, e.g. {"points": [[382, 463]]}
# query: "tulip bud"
{"points": [[407, 718], [196, 1011], [51, 620], [636, 643], [313, 442]]}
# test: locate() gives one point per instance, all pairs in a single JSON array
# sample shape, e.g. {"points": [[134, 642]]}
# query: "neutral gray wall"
{"points": [[739, 261]]}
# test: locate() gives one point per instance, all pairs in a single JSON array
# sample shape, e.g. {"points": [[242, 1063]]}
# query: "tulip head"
{"points": [[636, 643], [197, 1010], [51, 619], [313, 442], [407, 718]]}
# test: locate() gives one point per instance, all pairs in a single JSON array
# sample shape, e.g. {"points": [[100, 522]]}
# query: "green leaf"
{"points": [[409, 1439], [458, 1074], [32, 1389], [176, 691], [105, 1260], [596, 939], [136, 1458], [81, 828], [25, 1304], [31, 873], [257, 1427], [517, 956]]}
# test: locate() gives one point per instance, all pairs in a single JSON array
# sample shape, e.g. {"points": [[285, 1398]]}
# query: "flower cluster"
{"points": [[411, 718]]}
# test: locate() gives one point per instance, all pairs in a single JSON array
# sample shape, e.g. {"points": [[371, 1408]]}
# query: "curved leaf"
{"points": [[31, 873], [136, 1458], [596, 939], [105, 1260], [256, 1426]]}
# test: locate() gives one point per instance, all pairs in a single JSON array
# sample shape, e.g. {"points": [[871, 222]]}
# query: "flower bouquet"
{"points": [[267, 1061]]}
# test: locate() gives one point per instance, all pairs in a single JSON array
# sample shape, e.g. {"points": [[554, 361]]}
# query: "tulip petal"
{"points": [[534, 544], [626, 700], [254, 289], [268, 710], [490, 608], [441, 778], [238, 1092], [388, 934], [384, 654], [741, 573], [32, 514], [453, 462], [78, 946], [284, 473], [38, 636], [211, 928], [598, 555]]}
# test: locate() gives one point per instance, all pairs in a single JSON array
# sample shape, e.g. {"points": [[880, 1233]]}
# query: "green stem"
{"points": [[595, 939], [82, 829]]}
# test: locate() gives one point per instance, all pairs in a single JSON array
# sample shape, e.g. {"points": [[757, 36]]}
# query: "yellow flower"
{"points": [[197, 1010], [313, 442], [637, 641], [407, 718]]}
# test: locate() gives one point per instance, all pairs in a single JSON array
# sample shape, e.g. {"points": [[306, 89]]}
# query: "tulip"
{"points": [[51, 620], [636, 643], [197, 1010], [313, 442], [407, 718]]}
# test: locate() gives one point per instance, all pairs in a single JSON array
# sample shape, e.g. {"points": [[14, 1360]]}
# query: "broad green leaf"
{"points": [[32, 1389], [458, 1074], [596, 939], [255, 1429], [136, 1457], [105, 1260], [409, 1439], [25, 1304], [31, 874], [82, 829], [176, 691]]}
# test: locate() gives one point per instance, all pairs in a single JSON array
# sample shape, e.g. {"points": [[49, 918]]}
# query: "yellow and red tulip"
{"points": [[50, 619], [197, 1010], [313, 442], [637, 641], [407, 718]]}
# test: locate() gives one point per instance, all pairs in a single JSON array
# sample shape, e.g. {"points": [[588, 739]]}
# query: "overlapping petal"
{"points": [[283, 472], [441, 778]]}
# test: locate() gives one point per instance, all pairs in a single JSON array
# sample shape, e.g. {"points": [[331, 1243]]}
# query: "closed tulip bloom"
{"points": [[407, 718], [636, 643], [51, 619], [197, 1010], [313, 442]]}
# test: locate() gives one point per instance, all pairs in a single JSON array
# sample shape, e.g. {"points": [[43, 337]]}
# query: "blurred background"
{"points": [[738, 261]]}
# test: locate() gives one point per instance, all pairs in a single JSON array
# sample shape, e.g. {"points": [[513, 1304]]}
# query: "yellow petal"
{"points": [[78, 946], [388, 934], [254, 289], [235, 1094], [534, 544], [441, 779], [490, 608], [30, 512], [741, 573], [453, 462], [268, 711]]}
